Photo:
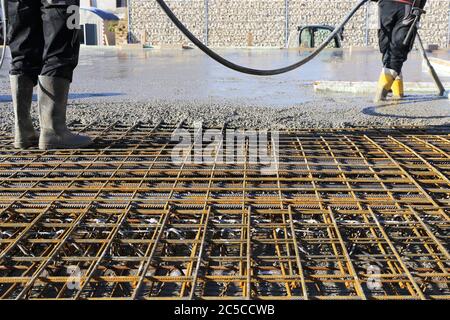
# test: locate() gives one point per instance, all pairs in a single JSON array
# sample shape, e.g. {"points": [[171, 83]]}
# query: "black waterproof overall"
{"points": [[395, 22], [42, 37]]}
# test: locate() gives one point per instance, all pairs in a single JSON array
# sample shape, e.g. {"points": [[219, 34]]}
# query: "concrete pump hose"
{"points": [[251, 71], [5, 31]]}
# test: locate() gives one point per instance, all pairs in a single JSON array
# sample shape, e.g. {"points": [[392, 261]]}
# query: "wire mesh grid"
{"points": [[344, 214]]}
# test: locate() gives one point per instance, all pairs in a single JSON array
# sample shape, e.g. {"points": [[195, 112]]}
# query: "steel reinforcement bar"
{"points": [[335, 214]]}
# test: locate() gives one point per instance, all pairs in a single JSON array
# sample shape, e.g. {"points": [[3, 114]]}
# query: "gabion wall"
{"points": [[268, 23]]}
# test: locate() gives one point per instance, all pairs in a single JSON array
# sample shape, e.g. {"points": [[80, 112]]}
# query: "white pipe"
{"points": [[5, 31]]}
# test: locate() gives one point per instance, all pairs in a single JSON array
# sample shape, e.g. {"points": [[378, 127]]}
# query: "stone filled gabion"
{"points": [[262, 23]]}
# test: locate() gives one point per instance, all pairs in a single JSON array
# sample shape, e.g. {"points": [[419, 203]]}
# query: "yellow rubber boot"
{"points": [[398, 91], [387, 78]]}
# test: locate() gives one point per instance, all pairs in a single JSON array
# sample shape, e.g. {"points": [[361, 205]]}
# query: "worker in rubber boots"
{"points": [[44, 47], [396, 19]]}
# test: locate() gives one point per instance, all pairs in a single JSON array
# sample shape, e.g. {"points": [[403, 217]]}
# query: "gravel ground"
{"points": [[325, 112]]}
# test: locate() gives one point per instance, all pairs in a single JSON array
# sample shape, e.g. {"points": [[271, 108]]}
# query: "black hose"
{"points": [[251, 71]]}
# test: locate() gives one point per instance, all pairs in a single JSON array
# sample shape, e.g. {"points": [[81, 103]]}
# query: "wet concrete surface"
{"points": [[135, 84], [189, 74], [141, 75]]}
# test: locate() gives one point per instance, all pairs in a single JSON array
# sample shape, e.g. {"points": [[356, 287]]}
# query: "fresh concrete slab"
{"points": [[170, 85]]}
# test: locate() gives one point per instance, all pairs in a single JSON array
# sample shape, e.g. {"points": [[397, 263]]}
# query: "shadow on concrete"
{"points": [[409, 100], [73, 96]]}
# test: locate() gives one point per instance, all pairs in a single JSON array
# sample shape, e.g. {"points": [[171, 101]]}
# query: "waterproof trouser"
{"points": [[43, 37], [394, 27]]}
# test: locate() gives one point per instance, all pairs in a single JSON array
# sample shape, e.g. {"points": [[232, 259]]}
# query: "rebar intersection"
{"points": [[343, 214]]}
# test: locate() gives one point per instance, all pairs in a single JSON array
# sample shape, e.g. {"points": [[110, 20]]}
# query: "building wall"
{"points": [[107, 5], [246, 22], [87, 17], [146, 17], [103, 30], [235, 23], [436, 24]]}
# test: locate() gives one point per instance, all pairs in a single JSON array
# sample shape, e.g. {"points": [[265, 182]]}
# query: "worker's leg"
{"points": [[26, 39], [60, 59], [26, 43], [62, 42], [399, 49], [387, 24], [388, 11]]}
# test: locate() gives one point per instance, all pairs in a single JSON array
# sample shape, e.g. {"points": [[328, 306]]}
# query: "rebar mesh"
{"points": [[344, 209]]}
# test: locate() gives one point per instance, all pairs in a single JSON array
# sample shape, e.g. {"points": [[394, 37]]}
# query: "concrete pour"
{"points": [[169, 85]]}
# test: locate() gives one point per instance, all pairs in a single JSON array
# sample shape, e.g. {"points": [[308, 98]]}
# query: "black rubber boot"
{"points": [[25, 135], [53, 94]]}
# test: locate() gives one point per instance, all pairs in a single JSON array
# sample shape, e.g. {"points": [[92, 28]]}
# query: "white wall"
{"points": [[91, 18], [108, 5]]}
